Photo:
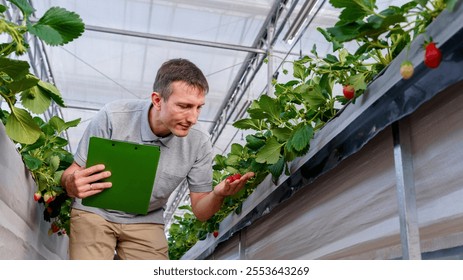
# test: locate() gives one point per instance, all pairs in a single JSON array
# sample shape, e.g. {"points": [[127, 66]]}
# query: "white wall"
{"points": [[23, 232]]}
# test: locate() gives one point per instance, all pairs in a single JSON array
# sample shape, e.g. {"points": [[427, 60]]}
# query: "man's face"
{"points": [[180, 112]]}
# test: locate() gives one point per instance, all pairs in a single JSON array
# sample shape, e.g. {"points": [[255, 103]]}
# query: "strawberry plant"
{"points": [[285, 123], [39, 142]]}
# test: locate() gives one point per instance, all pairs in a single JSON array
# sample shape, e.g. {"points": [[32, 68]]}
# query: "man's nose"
{"points": [[193, 116]]}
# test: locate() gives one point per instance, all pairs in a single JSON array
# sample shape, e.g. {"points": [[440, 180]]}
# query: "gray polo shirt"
{"points": [[188, 157]]}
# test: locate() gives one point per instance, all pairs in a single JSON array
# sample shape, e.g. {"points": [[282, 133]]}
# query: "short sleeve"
{"points": [[100, 126], [200, 176]]}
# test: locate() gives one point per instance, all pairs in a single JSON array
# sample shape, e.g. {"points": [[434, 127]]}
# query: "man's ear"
{"points": [[156, 100]]}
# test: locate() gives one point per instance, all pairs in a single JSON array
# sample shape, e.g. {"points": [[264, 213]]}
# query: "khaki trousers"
{"points": [[94, 238]]}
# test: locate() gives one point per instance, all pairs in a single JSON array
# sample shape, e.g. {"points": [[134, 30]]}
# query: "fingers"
{"points": [[87, 172], [244, 178], [247, 176], [87, 181], [91, 174], [93, 189], [230, 188]]}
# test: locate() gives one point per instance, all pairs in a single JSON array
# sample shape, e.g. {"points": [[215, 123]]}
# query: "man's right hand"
{"points": [[83, 182]]}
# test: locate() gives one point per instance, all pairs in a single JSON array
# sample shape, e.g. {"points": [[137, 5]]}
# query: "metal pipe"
{"points": [[173, 39]]}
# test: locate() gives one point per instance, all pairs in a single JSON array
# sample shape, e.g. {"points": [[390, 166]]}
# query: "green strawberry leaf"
{"points": [[358, 81], [185, 207], [52, 92], [15, 69], [270, 153], [54, 163], [72, 123], [23, 83], [300, 71], [247, 124], [57, 177], [354, 9], [270, 106], [21, 127], [300, 138], [344, 32], [219, 162], [254, 143], [421, 2], [37, 144], [281, 133], [57, 123], [315, 97], [24, 6], [232, 160], [277, 168], [336, 44], [35, 100], [57, 26], [236, 149], [32, 163]]}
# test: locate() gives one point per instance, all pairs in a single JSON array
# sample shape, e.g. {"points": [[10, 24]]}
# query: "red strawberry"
{"points": [[233, 178], [37, 196], [48, 197], [406, 69], [348, 91], [215, 233], [54, 228], [432, 55]]}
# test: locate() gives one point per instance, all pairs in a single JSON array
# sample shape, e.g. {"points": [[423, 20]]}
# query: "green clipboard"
{"points": [[133, 168]]}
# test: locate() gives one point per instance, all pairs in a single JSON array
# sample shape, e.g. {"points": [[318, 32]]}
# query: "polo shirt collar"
{"points": [[147, 134]]}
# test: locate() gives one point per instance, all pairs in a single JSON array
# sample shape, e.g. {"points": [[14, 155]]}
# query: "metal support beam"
{"points": [[270, 35], [242, 245], [173, 39], [252, 65], [409, 229]]}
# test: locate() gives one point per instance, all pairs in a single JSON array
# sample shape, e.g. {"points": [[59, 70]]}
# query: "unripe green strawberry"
{"points": [[432, 55], [348, 91], [406, 69]]}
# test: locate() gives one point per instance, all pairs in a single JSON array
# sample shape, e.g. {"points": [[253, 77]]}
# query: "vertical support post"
{"points": [[270, 32], [242, 245], [409, 229]]}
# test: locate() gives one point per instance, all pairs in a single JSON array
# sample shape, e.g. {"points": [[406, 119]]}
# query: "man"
{"points": [[178, 95]]}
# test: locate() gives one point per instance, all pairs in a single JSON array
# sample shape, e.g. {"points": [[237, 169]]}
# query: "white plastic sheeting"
{"points": [[23, 232]]}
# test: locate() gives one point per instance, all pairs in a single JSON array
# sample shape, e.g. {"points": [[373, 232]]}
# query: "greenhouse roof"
{"points": [[126, 41]]}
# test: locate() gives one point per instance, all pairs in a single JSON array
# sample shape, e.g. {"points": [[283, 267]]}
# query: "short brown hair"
{"points": [[178, 69]]}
